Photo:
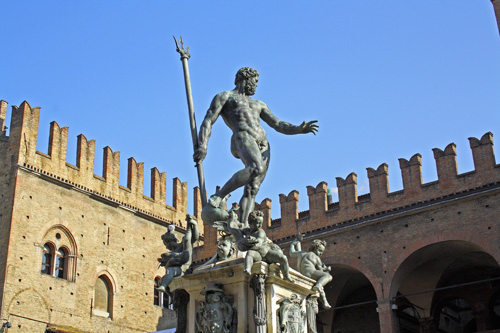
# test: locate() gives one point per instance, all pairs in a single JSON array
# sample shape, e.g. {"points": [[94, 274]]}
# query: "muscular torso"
{"points": [[242, 114]]}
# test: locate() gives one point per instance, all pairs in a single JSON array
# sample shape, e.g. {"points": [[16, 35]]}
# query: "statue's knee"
{"points": [[257, 170]]}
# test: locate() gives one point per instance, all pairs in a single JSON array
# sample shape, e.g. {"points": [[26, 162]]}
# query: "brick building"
{"points": [[78, 251]]}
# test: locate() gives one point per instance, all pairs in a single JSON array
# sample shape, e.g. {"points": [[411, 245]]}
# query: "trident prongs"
{"points": [[182, 52]]}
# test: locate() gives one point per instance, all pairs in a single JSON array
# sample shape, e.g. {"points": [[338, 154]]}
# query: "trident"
{"points": [[192, 121]]}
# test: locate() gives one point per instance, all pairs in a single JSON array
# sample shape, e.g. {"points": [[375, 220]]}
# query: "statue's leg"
{"points": [[322, 278], [278, 257], [250, 258], [244, 147], [247, 202], [166, 279]]}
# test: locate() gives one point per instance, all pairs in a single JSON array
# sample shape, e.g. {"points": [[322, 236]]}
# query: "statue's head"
{"points": [[318, 246], [169, 240], [250, 77], [256, 219], [225, 249]]}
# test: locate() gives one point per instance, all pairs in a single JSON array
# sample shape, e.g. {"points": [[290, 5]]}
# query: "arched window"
{"points": [[60, 263], [59, 253], [47, 259], [160, 298], [103, 297]]}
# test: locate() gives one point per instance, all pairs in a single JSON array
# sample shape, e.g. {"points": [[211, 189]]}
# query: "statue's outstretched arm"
{"points": [[285, 127], [206, 126]]}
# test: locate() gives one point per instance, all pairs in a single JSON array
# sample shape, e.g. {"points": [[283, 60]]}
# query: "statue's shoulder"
{"points": [[224, 95], [260, 103]]}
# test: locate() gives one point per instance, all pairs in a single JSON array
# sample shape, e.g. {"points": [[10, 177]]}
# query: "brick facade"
{"points": [[105, 231]]}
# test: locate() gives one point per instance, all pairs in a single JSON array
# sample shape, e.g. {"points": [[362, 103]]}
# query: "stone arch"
{"points": [[111, 276], [437, 272], [351, 294], [487, 245], [29, 301]]}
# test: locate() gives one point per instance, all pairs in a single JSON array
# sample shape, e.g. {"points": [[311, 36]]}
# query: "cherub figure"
{"points": [[259, 248], [309, 263], [180, 257]]}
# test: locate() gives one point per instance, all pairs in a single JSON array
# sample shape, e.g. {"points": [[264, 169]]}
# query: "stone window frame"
{"points": [[59, 239], [160, 298], [111, 288]]}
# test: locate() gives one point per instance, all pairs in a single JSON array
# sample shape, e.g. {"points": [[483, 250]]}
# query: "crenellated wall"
{"points": [[22, 143], [379, 200]]}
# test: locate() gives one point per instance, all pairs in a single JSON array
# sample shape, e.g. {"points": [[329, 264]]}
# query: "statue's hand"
{"points": [[309, 127], [199, 154], [249, 241]]}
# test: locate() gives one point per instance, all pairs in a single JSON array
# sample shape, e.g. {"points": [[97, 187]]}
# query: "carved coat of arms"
{"points": [[216, 314], [291, 317]]}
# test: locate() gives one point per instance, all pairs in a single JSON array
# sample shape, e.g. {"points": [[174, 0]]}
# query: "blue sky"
{"points": [[385, 79]]}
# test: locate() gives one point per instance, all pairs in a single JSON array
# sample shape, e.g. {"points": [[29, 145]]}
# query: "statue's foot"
{"points": [[215, 201], [162, 289], [289, 279], [323, 299], [247, 272]]}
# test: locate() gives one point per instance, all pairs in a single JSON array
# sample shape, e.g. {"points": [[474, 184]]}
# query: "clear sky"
{"points": [[385, 79]]}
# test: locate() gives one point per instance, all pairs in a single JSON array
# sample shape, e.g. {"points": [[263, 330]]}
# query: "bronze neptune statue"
{"points": [[249, 142]]}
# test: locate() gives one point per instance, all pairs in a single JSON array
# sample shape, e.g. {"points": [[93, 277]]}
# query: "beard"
{"points": [[250, 90]]}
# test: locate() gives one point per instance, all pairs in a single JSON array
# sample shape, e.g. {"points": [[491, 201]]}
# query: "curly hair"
{"points": [[316, 243], [232, 246], [253, 215], [168, 236], [245, 73]]}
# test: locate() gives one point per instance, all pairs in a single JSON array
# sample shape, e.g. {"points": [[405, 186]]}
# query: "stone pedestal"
{"points": [[259, 299]]}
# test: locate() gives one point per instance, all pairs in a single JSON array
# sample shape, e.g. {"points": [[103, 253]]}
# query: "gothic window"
{"points": [[59, 253], [47, 259], [103, 297], [160, 298], [60, 263]]}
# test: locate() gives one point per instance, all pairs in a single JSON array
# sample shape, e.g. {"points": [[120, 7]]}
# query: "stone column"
{"points": [[180, 302], [258, 285], [385, 317]]}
